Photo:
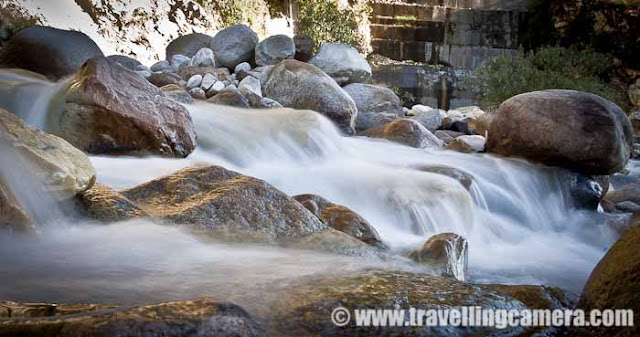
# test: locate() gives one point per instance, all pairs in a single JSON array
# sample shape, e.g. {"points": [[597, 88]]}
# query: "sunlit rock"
{"points": [[171, 319], [571, 129], [447, 253], [226, 205], [343, 63], [340, 217], [405, 131], [104, 204], [111, 110]]}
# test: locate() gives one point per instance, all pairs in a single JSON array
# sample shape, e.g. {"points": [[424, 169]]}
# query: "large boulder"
{"points": [[615, 284], [343, 63], [274, 49], [376, 105], [48, 51], [188, 45], [61, 168], [226, 205], [111, 110], [126, 61], [405, 131], [234, 45], [305, 307], [340, 217], [203, 317], [299, 85], [565, 128]]}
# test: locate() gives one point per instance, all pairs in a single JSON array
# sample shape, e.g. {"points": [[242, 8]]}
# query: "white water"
{"points": [[517, 221]]}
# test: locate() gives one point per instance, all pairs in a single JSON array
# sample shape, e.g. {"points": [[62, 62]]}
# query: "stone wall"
{"points": [[460, 33]]}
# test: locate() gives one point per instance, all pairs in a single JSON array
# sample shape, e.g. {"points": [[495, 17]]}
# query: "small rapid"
{"points": [[517, 216]]}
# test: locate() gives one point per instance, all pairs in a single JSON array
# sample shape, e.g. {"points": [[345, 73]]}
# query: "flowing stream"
{"points": [[516, 216]]}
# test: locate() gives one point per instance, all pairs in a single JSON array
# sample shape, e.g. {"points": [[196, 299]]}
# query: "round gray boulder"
{"points": [[234, 45], [376, 105], [188, 45], [52, 52], [274, 49], [343, 63]]}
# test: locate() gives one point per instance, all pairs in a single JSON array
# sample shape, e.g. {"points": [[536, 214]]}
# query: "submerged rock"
{"points": [[225, 205], [405, 131], [52, 52], [464, 178], [343, 63], [302, 86], [576, 130], [340, 217], [203, 317], [447, 253], [334, 241], [234, 45], [111, 110]]}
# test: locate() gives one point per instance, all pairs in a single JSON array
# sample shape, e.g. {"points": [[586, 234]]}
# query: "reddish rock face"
{"points": [[112, 110], [576, 130]]}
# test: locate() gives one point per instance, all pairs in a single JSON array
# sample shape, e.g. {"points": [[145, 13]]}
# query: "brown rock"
{"points": [[538, 297], [177, 93], [615, 284], [162, 79], [576, 130], [11, 215], [340, 217], [111, 110], [333, 241], [447, 253], [104, 204], [226, 205], [405, 131], [200, 317]]}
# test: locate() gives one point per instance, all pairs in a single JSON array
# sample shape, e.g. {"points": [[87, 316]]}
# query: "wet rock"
{"points": [[464, 178], [104, 204], [125, 61], [614, 283], [302, 86], [405, 131], [539, 297], [63, 169], [230, 96], [335, 242], [203, 58], [571, 129], [429, 118], [274, 49], [52, 52], [199, 317], [467, 144], [371, 100], [343, 63], [305, 308], [304, 47], [177, 94], [585, 191], [111, 110], [162, 79], [234, 45], [226, 205], [12, 217], [188, 45], [447, 253], [340, 218]]}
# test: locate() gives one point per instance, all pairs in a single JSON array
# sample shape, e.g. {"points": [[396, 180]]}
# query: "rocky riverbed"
{"points": [[238, 189]]}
